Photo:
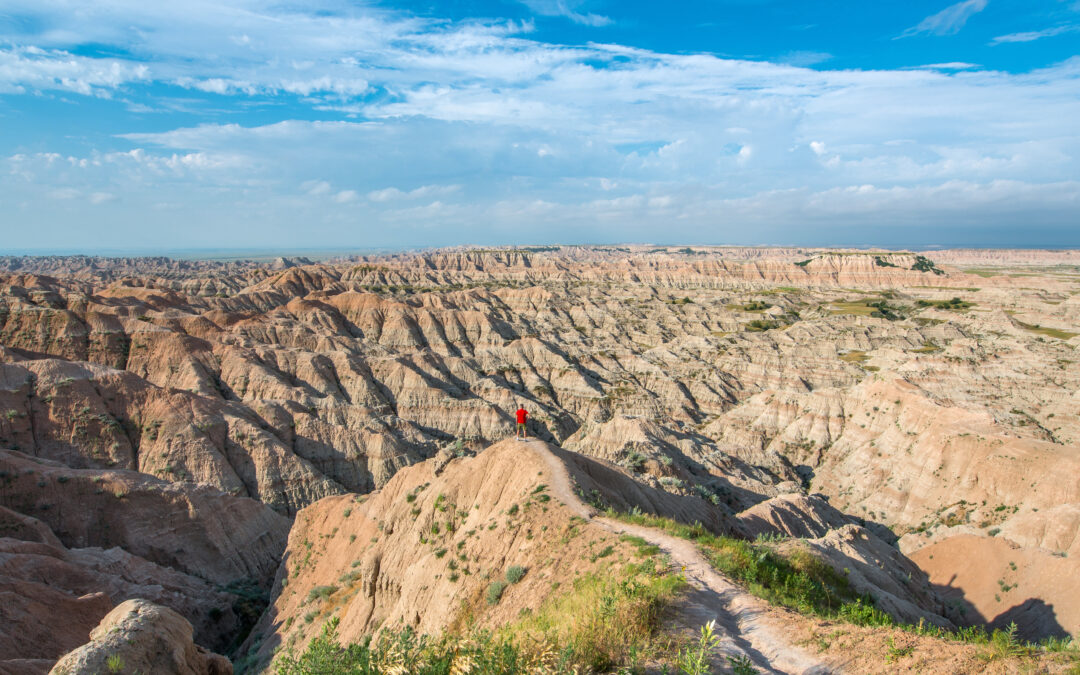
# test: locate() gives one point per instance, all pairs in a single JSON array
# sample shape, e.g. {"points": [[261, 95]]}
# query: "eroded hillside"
{"points": [[174, 418]]}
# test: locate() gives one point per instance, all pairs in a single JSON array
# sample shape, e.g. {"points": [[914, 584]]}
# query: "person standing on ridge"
{"points": [[522, 415]]}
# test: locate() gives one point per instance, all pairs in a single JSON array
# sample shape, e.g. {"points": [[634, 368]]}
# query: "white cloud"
{"points": [[65, 193], [463, 122], [394, 194], [951, 65], [948, 21], [32, 68], [567, 9], [1031, 36], [315, 187]]}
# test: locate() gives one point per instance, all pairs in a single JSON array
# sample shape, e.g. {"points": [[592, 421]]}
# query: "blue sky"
{"points": [[134, 125]]}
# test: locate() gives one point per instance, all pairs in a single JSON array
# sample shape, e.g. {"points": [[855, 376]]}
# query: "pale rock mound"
{"points": [[141, 637], [872, 567], [792, 515], [676, 461]]}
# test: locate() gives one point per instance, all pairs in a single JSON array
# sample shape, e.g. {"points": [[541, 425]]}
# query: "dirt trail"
{"points": [[750, 626]]}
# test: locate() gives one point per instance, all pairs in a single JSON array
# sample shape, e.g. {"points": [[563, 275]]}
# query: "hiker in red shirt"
{"points": [[522, 415]]}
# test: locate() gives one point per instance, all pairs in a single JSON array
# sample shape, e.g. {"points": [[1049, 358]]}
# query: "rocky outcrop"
{"points": [[197, 530], [792, 515], [874, 568], [141, 637], [706, 381], [422, 550]]}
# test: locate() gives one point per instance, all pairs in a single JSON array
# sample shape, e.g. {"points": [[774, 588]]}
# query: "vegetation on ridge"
{"points": [[801, 581], [608, 619]]}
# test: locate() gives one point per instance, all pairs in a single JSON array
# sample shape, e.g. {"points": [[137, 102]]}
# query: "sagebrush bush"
{"points": [[515, 573], [322, 592], [495, 591]]}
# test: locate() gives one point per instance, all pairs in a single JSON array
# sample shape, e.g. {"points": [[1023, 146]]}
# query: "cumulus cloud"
{"points": [[439, 124], [32, 68], [948, 21]]}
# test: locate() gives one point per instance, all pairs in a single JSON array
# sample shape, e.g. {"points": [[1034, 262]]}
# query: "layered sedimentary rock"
{"points": [[141, 637], [927, 398]]}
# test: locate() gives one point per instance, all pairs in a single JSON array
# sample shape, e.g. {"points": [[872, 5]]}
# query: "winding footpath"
{"points": [[747, 624]]}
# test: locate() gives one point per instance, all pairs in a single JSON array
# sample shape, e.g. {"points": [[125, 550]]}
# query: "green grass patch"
{"points": [[955, 304], [609, 619], [1048, 332], [927, 348], [762, 325], [798, 579], [853, 307], [755, 306], [876, 308]]}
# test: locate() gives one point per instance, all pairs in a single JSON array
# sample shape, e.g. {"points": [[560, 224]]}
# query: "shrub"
{"points": [[495, 591], [114, 664], [1004, 644], [321, 592], [864, 614], [515, 573], [635, 461], [924, 264]]}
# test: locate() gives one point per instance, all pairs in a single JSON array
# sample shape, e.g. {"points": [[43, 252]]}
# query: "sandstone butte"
{"points": [[202, 458]]}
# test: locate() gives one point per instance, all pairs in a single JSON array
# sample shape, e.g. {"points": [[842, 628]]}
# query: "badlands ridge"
{"points": [[235, 458]]}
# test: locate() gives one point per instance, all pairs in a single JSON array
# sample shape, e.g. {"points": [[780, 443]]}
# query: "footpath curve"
{"points": [[747, 624]]}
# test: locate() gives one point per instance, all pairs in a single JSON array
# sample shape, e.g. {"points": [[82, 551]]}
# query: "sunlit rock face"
{"points": [[162, 422]]}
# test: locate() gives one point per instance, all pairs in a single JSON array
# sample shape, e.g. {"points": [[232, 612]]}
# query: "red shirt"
{"points": [[521, 415]]}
